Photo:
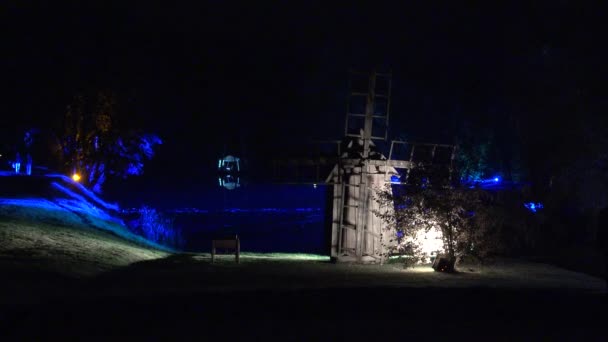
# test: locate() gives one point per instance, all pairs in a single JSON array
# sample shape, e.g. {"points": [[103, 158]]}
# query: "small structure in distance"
{"points": [[229, 168]]}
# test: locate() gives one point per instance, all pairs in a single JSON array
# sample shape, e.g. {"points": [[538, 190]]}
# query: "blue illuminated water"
{"points": [[262, 230], [267, 218]]}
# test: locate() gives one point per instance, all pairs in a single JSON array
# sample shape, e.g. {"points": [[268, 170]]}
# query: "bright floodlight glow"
{"points": [[430, 242], [270, 256], [419, 269], [496, 179], [76, 177]]}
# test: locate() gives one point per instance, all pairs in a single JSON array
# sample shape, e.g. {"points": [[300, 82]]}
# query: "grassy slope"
{"points": [[53, 233], [47, 244]]}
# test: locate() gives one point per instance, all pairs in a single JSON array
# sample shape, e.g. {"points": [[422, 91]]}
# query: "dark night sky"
{"points": [[249, 76]]}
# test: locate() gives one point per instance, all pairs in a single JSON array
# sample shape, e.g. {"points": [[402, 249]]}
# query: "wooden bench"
{"points": [[226, 243]]}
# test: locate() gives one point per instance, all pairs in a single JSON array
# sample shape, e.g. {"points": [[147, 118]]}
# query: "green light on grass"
{"points": [[286, 256], [270, 256]]}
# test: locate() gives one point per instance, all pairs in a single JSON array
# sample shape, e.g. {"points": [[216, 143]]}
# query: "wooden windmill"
{"points": [[359, 169]]}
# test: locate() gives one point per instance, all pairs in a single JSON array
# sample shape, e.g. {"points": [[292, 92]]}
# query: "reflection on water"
{"points": [[260, 230], [267, 218], [229, 182]]}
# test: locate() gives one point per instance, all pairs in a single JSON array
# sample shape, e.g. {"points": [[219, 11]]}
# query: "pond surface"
{"points": [[265, 230], [267, 218]]}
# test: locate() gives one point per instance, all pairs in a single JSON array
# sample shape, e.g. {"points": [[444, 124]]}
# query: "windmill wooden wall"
{"points": [[357, 233]]}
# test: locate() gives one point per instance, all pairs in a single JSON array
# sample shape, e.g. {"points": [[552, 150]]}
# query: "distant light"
{"points": [[314, 185], [533, 207], [76, 177], [483, 182]]}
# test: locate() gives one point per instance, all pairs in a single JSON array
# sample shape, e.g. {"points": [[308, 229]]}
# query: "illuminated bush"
{"points": [[428, 241], [157, 228], [431, 221], [406, 252]]}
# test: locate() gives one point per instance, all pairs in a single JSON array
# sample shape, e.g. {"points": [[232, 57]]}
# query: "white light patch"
{"points": [[430, 242]]}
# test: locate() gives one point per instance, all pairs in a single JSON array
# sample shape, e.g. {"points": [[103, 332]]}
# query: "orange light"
{"points": [[76, 177]]}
